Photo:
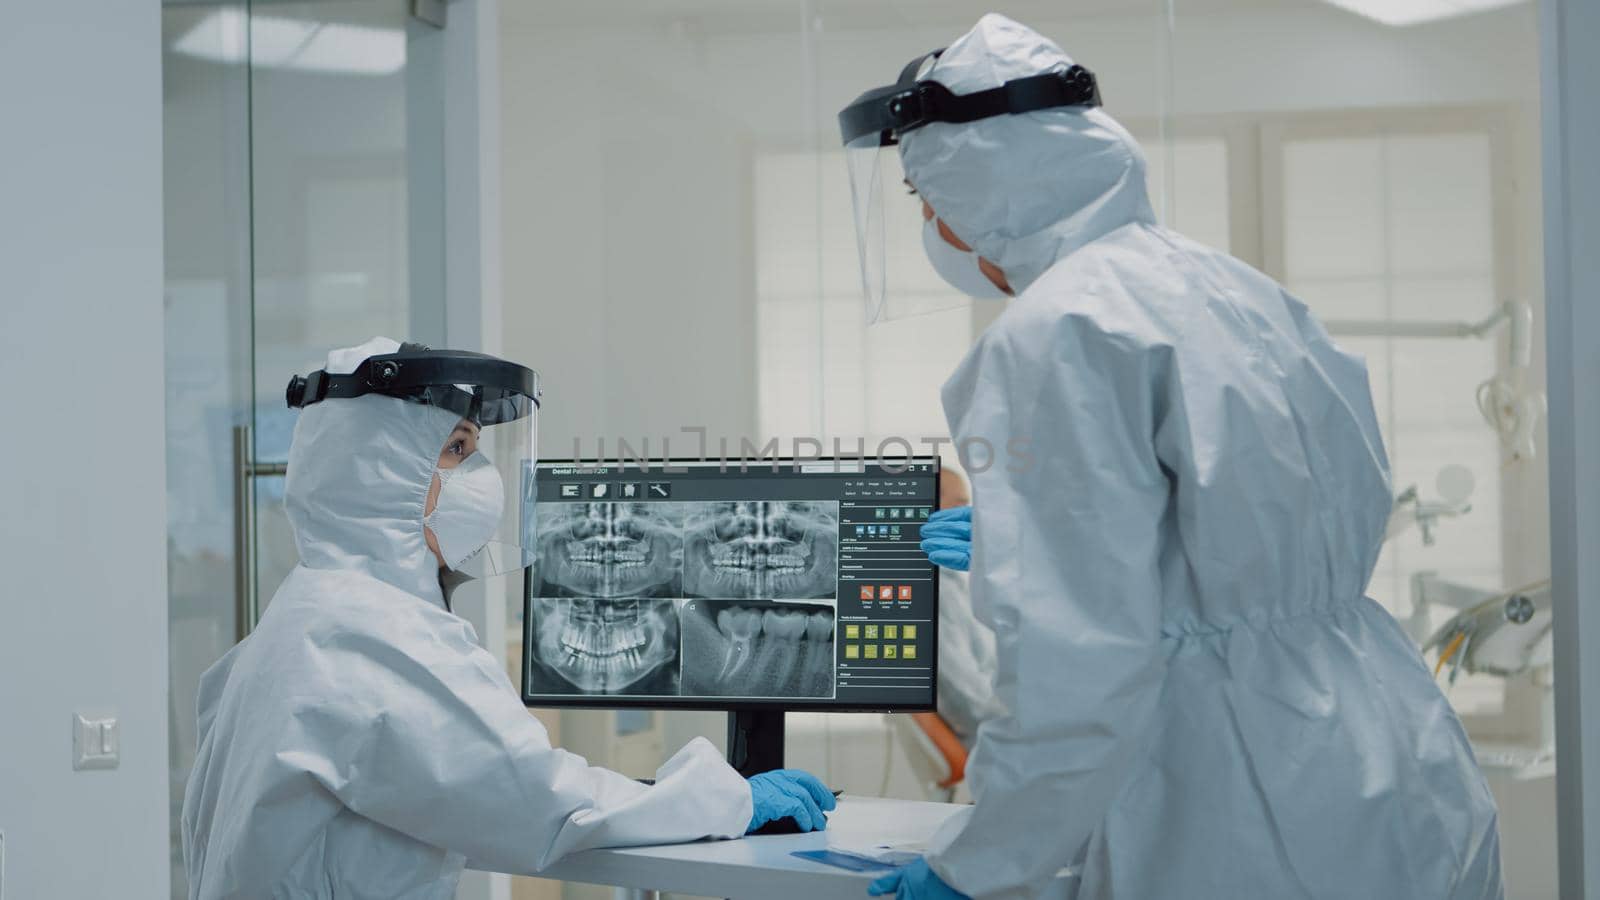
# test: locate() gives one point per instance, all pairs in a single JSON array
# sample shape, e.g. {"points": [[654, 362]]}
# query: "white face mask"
{"points": [[959, 268], [467, 511]]}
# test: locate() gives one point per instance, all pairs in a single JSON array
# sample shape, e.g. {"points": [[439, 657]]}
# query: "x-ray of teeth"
{"points": [[627, 647], [610, 550], [765, 550], [757, 650]]}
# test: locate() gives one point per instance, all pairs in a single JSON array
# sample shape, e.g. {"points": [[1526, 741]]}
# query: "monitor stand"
{"points": [[755, 740]]}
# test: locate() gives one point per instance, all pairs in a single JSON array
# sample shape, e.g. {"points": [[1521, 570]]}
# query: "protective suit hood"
{"points": [[1023, 190], [359, 473]]}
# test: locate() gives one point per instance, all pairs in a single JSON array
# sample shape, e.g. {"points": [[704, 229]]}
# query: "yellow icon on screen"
{"points": [[852, 651]]}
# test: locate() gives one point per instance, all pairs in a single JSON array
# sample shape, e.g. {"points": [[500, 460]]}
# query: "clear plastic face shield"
{"points": [[898, 280], [482, 501], [496, 477]]}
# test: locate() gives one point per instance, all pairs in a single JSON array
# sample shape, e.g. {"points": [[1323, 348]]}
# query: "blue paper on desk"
{"points": [[855, 862]]}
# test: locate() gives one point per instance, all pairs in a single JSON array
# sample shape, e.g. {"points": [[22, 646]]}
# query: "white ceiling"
{"points": [[744, 16]]}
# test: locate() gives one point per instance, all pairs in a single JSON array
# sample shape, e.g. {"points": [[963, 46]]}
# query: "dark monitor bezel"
{"points": [[714, 704]]}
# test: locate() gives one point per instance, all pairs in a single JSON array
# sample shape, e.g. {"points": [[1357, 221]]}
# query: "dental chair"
{"points": [[934, 752]]}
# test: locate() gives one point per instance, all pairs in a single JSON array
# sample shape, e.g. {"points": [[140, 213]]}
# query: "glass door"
{"points": [[347, 184], [304, 211]]}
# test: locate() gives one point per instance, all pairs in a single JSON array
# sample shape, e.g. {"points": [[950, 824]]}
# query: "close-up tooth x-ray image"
{"points": [[763, 550], [740, 648], [591, 646], [610, 550]]}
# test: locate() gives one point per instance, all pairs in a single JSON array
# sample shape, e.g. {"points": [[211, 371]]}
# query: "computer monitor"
{"points": [[787, 585]]}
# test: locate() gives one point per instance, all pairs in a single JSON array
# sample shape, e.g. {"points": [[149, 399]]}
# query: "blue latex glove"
{"points": [[914, 882], [793, 793], [947, 538]]}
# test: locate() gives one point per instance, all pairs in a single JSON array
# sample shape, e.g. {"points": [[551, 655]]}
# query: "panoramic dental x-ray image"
{"points": [[694, 599], [589, 645], [611, 550], [772, 550]]}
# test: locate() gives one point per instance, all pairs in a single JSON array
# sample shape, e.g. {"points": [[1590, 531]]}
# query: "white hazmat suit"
{"points": [[1198, 699], [360, 743]]}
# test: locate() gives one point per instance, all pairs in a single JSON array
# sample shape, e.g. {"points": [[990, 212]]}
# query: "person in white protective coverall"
{"points": [[360, 743], [1198, 699]]}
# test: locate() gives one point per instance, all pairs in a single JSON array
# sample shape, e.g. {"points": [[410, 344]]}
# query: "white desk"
{"points": [[760, 868]]}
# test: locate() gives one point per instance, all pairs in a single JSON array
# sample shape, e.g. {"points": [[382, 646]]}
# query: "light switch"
{"points": [[96, 743]]}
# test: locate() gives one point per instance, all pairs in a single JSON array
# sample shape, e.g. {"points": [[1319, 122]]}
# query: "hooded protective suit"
{"points": [[360, 743], [1200, 702]]}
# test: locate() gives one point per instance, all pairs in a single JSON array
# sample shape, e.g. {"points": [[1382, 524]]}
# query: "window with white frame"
{"points": [[823, 372], [1392, 226], [1188, 182]]}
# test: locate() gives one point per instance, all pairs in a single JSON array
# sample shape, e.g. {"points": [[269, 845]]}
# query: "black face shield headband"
{"points": [[878, 117], [480, 388]]}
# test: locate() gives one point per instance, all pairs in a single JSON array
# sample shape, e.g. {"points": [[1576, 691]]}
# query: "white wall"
{"points": [[627, 272], [82, 514]]}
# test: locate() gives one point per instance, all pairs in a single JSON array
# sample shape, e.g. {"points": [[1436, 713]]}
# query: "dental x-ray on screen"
{"points": [[714, 585]]}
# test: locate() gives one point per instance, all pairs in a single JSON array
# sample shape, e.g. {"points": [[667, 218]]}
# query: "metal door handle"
{"points": [[247, 600]]}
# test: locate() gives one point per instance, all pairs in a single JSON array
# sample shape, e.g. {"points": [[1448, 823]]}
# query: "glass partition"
{"points": [[681, 264], [343, 182], [304, 199], [1386, 175], [208, 378]]}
